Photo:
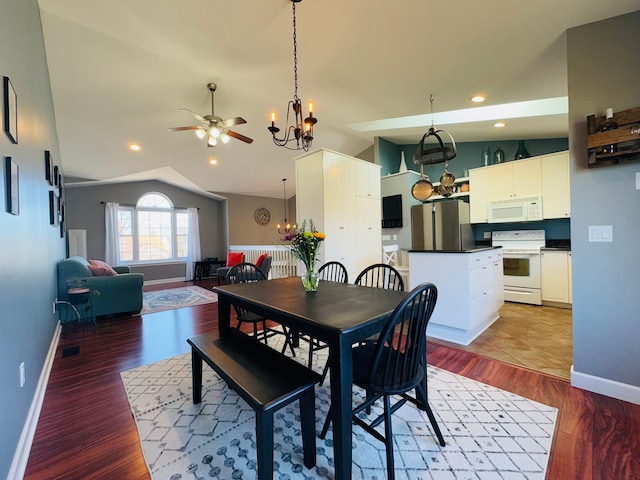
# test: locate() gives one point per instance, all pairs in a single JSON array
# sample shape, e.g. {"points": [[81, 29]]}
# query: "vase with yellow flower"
{"points": [[305, 245]]}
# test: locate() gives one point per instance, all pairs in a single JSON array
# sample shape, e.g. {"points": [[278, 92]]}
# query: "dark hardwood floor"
{"points": [[86, 429]]}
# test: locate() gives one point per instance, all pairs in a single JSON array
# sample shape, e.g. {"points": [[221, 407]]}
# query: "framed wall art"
{"points": [[10, 110], [53, 208], [48, 167], [12, 186]]}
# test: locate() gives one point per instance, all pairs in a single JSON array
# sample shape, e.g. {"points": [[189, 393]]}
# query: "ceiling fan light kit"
{"points": [[213, 127], [298, 131]]}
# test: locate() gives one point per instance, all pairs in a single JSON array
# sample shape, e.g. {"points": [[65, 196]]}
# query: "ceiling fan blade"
{"points": [[179, 129], [239, 136], [199, 117], [234, 121]]}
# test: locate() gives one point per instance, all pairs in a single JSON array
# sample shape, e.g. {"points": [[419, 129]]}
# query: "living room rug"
{"points": [[490, 433], [176, 298]]}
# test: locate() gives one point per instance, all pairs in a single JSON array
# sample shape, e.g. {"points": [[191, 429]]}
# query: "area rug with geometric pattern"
{"points": [[172, 298], [490, 433]]}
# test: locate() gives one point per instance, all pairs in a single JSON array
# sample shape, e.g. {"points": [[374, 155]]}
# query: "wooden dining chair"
{"points": [[246, 272], [393, 366], [333, 272], [380, 275], [330, 272]]}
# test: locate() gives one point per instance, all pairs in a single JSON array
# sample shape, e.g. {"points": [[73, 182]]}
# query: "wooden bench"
{"points": [[266, 380]]}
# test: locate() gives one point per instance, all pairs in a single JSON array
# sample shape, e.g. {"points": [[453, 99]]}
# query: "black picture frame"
{"points": [[48, 167], [12, 187], [10, 110], [56, 175], [53, 208]]}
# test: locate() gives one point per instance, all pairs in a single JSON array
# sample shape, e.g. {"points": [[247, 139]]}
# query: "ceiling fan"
{"points": [[213, 127]]}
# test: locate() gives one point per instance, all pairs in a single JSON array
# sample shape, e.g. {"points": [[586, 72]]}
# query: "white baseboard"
{"points": [[165, 280], [604, 386], [21, 457]]}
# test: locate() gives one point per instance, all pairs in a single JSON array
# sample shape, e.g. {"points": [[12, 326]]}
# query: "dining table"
{"points": [[338, 314]]}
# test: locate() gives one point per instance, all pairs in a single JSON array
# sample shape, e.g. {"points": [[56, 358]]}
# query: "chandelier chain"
{"points": [[295, 55]]}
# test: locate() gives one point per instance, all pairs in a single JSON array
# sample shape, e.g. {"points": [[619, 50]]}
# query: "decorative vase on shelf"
{"points": [[486, 156], [498, 155], [310, 279], [403, 165], [522, 151]]}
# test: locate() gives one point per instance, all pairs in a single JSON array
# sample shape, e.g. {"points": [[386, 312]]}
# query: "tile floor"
{"points": [[539, 338]]}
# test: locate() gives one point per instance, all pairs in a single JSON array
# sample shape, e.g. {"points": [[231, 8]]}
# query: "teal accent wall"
{"points": [[469, 154]]}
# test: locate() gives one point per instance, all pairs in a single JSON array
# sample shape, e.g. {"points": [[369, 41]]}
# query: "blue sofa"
{"points": [[120, 293]]}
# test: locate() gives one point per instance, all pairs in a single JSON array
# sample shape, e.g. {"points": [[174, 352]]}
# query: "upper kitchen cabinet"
{"points": [[327, 193], [556, 202], [522, 178], [367, 180], [478, 194]]}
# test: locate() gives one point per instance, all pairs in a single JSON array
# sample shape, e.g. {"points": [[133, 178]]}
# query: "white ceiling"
{"points": [[121, 70]]}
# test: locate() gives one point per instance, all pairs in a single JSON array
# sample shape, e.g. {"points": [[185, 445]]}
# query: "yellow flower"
{"points": [[319, 236]]}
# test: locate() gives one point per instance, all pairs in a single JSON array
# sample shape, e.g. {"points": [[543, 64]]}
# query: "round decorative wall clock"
{"points": [[262, 216]]}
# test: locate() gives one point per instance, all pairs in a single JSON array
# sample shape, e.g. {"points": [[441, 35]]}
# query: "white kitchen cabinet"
{"points": [[326, 192], [556, 201], [470, 290], [367, 180], [556, 277], [478, 194], [522, 178]]}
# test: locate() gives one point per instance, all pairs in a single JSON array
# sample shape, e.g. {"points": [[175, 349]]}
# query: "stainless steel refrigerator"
{"points": [[441, 226]]}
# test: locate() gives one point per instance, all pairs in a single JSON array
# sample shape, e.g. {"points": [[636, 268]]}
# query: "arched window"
{"points": [[153, 230]]}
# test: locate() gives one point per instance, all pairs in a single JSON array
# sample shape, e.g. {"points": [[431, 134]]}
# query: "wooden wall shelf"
{"points": [[625, 139]]}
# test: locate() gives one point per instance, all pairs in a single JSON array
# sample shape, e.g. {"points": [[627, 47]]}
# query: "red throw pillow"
{"points": [[234, 258], [101, 269], [261, 259]]}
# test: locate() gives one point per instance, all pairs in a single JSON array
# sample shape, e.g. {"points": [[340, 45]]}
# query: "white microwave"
{"points": [[523, 209]]}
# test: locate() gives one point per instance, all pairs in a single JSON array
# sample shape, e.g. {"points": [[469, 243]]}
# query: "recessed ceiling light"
{"points": [[478, 99], [499, 124], [213, 161], [135, 147]]}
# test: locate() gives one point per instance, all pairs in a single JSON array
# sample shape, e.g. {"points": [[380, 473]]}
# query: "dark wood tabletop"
{"points": [[338, 314]]}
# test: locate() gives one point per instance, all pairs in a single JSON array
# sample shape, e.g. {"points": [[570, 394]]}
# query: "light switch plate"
{"points": [[600, 233], [637, 180]]}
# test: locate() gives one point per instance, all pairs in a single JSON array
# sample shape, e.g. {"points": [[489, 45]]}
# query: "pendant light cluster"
{"points": [[298, 134], [285, 226], [433, 149]]}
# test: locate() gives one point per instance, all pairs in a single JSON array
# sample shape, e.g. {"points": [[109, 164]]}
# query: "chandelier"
{"points": [[285, 227], [297, 131]]}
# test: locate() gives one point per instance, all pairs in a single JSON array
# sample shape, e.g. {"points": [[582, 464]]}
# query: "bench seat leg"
{"points": [[264, 444]]}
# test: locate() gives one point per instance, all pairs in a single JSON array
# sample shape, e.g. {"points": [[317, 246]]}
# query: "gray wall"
{"points": [[85, 211], [29, 246], [243, 230], [604, 71]]}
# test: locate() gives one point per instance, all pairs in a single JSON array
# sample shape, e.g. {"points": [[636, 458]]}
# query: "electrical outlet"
{"points": [[23, 378], [487, 234]]}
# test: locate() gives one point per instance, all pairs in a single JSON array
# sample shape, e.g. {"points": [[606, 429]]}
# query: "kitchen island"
{"points": [[470, 290]]}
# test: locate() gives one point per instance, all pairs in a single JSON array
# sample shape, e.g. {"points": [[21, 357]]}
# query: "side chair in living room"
{"points": [[392, 366], [248, 272]]}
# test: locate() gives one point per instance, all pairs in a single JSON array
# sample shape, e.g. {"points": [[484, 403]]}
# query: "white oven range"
{"points": [[521, 263]]}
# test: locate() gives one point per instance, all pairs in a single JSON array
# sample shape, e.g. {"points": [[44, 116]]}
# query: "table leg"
{"points": [[224, 316], [341, 382], [196, 375]]}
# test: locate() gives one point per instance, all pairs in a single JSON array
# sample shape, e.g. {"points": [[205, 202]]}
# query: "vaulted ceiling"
{"points": [[121, 71]]}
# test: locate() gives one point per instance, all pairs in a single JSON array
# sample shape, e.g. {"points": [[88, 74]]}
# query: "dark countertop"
{"points": [[557, 249], [471, 250]]}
